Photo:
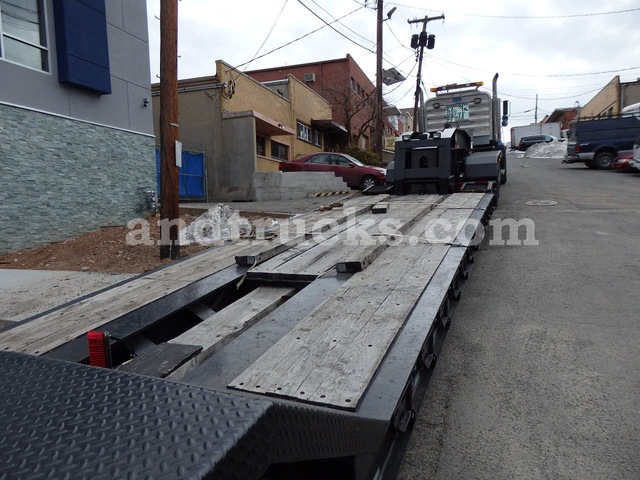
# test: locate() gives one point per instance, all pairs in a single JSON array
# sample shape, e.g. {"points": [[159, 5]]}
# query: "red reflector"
{"points": [[99, 350], [577, 148]]}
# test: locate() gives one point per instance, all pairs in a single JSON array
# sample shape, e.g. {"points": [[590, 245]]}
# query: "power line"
{"points": [[575, 15], [352, 31], [433, 57], [296, 39], [268, 34], [332, 28]]}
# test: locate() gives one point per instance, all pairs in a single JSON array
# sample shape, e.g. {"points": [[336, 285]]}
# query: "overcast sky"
{"points": [[563, 51]]}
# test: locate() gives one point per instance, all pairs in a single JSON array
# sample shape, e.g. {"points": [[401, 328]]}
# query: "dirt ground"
{"points": [[104, 250]]}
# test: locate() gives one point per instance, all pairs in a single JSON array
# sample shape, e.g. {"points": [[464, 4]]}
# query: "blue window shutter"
{"points": [[82, 44]]}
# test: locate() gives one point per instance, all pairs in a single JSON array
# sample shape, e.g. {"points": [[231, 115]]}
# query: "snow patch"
{"points": [[555, 149], [217, 225]]}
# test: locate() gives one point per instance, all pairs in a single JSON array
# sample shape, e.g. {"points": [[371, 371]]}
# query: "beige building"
{"points": [[612, 99], [244, 126]]}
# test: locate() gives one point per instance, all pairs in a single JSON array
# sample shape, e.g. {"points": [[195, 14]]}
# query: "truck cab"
{"points": [[477, 112]]}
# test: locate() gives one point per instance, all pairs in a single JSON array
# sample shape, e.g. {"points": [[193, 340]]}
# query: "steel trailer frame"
{"points": [[76, 421]]}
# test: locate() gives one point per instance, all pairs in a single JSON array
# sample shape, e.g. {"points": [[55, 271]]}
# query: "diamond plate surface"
{"points": [[69, 421]]}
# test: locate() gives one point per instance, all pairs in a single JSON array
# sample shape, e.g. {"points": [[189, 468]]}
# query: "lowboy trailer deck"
{"points": [[303, 356]]}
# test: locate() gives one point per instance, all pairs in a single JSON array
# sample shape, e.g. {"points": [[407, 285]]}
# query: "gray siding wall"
{"points": [[60, 177], [130, 75]]}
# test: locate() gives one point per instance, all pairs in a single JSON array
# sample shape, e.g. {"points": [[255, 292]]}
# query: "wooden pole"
{"points": [[169, 207], [379, 119], [424, 21]]}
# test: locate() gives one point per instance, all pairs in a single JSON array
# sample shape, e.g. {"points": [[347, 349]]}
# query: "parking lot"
{"points": [[539, 373]]}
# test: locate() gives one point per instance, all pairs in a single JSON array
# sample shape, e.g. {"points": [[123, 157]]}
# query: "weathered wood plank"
{"points": [[461, 200], [331, 342], [220, 328], [397, 221], [161, 360], [381, 207], [52, 330], [263, 253]]}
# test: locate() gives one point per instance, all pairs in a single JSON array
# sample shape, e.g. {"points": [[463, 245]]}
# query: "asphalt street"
{"points": [[539, 376]]}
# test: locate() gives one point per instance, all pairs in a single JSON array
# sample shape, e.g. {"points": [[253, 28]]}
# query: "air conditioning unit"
{"points": [[309, 77]]}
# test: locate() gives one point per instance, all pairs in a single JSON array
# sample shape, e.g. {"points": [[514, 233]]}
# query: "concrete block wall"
{"points": [[60, 177], [292, 185]]}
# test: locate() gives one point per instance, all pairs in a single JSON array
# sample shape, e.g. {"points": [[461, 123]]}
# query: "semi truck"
{"points": [[475, 111], [461, 147]]}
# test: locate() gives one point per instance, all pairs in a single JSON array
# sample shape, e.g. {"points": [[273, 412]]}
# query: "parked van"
{"points": [[596, 142]]}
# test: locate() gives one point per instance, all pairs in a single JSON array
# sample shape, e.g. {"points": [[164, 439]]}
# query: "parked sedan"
{"points": [[352, 171], [622, 162], [526, 142]]}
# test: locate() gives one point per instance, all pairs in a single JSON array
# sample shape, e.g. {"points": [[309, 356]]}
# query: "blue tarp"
{"points": [[191, 182]]}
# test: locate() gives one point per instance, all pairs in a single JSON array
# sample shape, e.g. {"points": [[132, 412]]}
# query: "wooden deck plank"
{"points": [[403, 217], [461, 200], [56, 328], [160, 360], [52, 330], [275, 264], [262, 253], [366, 235], [329, 342], [327, 359], [222, 327]]}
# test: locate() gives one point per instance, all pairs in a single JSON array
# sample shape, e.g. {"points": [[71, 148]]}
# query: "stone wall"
{"points": [[60, 177]]}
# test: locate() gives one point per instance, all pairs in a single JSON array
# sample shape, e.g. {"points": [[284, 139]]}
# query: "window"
{"points": [[321, 159], [24, 39], [304, 132], [279, 150], [260, 146], [309, 135]]}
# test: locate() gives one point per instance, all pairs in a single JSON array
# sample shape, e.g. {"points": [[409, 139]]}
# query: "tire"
{"points": [[589, 164], [604, 161], [368, 181]]}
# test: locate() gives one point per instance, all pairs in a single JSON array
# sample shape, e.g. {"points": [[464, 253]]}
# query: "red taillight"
{"points": [[577, 148]]}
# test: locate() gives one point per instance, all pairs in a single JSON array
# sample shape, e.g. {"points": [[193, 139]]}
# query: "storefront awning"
{"points": [[265, 126], [328, 125]]}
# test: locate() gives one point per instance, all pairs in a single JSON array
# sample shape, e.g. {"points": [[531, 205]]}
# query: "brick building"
{"points": [[347, 88]]}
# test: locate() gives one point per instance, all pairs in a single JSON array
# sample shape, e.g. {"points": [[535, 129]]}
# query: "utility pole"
{"points": [[379, 119], [422, 42], [536, 114], [169, 208]]}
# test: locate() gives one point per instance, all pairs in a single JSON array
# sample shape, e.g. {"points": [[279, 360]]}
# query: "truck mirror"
{"points": [[505, 107]]}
